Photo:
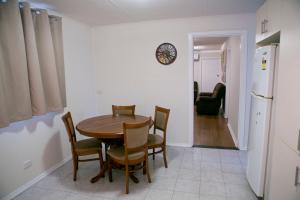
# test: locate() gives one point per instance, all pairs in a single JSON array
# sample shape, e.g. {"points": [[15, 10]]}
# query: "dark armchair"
{"points": [[209, 103], [196, 91]]}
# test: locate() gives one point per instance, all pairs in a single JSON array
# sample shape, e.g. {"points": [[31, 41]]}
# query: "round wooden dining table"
{"points": [[107, 127]]}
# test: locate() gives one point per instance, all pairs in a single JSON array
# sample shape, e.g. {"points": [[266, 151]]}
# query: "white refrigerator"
{"points": [[260, 117]]}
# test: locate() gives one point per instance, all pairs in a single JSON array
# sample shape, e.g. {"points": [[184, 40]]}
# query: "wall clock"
{"points": [[166, 53]]}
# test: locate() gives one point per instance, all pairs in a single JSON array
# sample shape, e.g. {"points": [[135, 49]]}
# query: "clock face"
{"points": [[166, 53]]}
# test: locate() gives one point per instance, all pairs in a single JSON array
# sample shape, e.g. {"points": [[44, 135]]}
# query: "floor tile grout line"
{"points": [[197, 158]]}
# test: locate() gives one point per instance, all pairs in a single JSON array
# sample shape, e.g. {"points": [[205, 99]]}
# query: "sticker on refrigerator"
{"points": [[264, 64]]}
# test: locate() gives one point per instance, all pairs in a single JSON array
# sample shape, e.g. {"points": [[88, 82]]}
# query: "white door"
{"points": [[210, 73], [197, 72]]}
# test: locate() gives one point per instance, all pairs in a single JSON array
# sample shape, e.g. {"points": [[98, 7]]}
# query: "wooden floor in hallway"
{"points": [[212, 131]]}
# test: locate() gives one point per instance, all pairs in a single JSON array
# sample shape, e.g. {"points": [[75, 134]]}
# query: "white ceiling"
{"points": [[104, 12]]}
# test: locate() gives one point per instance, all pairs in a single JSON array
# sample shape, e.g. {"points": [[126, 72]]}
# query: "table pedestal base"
{"points": [[101, 174]]}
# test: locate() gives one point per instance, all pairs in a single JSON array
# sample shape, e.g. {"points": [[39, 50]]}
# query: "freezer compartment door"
{"points": [[263, 71], [258, 143]]}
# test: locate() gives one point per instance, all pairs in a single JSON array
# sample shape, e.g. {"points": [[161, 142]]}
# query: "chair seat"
{"points": [[154, 140], [118, 153], [87, 146]]}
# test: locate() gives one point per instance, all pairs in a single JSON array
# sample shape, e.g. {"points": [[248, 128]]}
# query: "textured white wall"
{"points": [[128, 73], [43, 139]]}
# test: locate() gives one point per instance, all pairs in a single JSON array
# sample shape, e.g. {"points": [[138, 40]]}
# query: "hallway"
{"points": [[212, 131]]}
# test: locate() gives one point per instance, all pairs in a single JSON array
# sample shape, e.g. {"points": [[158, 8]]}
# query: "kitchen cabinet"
{"points": [[284, 152], [287, 122], [261, 17], [268, 19], [274, 10], [285, 173]]}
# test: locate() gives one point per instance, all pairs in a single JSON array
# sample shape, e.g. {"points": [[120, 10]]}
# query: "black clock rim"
{"points": [[166, 43]]}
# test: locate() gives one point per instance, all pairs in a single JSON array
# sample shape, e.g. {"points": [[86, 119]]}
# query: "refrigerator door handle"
{"points": [[260, 96], [297, 176], [299, 141]]}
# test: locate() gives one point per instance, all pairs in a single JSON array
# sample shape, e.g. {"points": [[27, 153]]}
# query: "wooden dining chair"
{"points": [[133, 152], [83, 147], [118, 111], [161, 118], [123, 110]]}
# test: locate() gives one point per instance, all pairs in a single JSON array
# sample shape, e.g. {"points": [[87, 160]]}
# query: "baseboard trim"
{"points": [[30, 183], [243, 148], [215, 147], [232, 135], [179, 145]]}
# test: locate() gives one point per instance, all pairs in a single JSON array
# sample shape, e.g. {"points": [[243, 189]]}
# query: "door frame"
{"points": [[242, 141], [228, 63]]}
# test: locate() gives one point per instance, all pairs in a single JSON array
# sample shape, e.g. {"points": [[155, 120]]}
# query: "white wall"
{"points": [[43, 139], [197, 69], [233, 84], [128, 73]]}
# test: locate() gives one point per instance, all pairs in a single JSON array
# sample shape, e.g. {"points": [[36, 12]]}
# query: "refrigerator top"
{"points": [[263, 71]]}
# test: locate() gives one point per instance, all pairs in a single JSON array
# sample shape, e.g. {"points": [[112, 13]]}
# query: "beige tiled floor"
{"points": [[193, 174]]}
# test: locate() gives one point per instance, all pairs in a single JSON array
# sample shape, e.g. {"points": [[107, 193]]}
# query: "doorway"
{"points": [[227, 128]]}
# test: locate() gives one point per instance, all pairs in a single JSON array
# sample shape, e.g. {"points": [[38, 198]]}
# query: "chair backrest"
{"points": [[123, 110], [161, 118], [196, 87], [136, 136], [67, 119], [219, 91]]}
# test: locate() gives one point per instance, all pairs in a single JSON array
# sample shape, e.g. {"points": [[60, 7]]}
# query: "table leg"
{"points": [[99, 175], [105, 150], [102, 174], [133, 178], [102, 168]]}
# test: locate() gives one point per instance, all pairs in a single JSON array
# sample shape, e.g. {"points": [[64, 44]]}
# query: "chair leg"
{"points": [[126, 179], [77, 163], [144, 167], [147, 170], [153, 153], [165, 156], [109, 170], [75, 167]]}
